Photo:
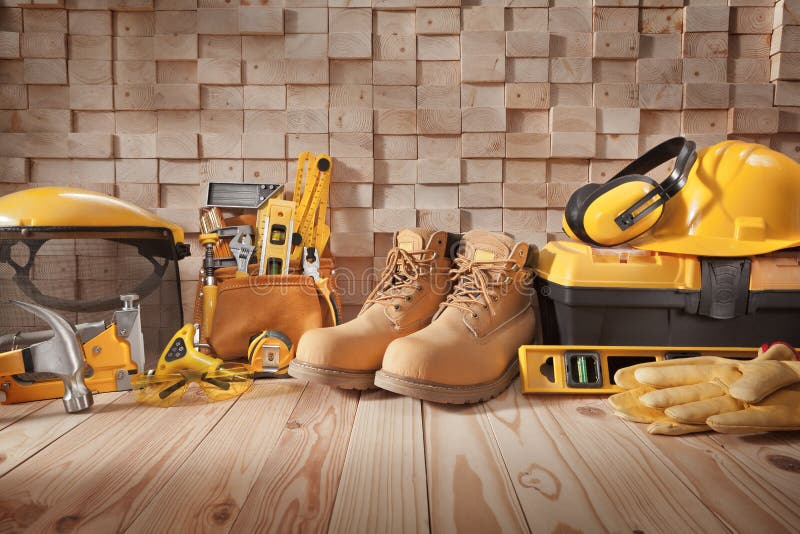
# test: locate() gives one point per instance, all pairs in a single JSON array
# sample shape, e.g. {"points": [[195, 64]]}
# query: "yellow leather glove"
{"points": [[627, 406], [727, 395]]}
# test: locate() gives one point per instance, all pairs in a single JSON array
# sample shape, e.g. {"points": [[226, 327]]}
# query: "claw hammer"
{"points": [[61, 355]]}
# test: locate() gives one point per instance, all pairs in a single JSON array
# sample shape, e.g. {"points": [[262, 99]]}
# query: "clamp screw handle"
{"points": [[128, 300]]}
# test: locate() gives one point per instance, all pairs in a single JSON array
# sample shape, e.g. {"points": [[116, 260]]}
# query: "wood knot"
{"points": [[541, 479], [784, 463], [3, 457], [223, 512], [68, 523], [27, 514], [590, 411], [292, 424]]}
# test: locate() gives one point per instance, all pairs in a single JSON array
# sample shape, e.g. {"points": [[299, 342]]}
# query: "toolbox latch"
{"points": [[725, 289]]}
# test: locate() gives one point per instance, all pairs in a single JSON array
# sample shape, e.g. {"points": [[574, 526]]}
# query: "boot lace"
{"points": [[478, 282], [399, 277]]}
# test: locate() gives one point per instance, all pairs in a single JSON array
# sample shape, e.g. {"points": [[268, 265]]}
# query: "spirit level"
{"points": [[277, 235], [590, 370]]}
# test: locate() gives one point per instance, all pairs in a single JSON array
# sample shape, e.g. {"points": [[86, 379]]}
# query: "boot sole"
{"points": [[446, 394], [332, 377]]}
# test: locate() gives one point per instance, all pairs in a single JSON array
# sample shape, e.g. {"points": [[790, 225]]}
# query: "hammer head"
{"points": [[61, 355]]}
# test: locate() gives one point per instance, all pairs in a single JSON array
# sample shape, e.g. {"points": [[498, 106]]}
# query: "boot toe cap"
{"points": [[412, 358], [340, 348]]}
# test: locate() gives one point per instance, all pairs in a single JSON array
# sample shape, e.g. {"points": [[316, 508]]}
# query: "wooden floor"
{"points": [[292, 457]]}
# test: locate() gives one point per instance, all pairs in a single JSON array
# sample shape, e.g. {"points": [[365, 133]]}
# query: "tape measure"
{"points": [[269, 354], [590, 370]]}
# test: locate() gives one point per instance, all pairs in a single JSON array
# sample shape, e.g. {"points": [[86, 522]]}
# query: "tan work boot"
{"points": [[469, 351], [413, 284]]}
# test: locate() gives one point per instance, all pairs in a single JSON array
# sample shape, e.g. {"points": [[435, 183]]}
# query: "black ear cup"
{"points": [[573, 213]]}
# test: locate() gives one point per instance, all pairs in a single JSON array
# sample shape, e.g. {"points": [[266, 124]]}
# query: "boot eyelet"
{"points": [[420, 288], [474, 315], [396, 306], [408, 299], [495, 298]]}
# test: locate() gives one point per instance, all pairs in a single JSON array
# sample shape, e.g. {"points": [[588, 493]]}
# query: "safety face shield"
{"points": [[81, 273]]}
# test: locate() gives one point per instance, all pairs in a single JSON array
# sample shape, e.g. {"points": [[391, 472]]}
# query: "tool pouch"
{"points": [[246, 306]]}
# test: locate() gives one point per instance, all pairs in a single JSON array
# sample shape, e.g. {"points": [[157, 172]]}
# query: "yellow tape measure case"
{"points": [[603, 296]]}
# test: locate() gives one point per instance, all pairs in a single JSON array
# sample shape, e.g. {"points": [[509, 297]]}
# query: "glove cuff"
{"points": [[766, 346]]}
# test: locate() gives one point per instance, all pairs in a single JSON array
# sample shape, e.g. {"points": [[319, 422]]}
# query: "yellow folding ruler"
{"points": [[311, 199], [590, 370]]}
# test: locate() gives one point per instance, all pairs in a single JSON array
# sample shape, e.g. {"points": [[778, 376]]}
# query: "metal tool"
{"points": [[113, 352], [590, 370], [277, 237], [241, 246], [235, 195], [61, 356]]}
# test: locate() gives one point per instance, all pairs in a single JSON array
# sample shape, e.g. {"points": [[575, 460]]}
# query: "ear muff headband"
{"points": [[680, 148]]}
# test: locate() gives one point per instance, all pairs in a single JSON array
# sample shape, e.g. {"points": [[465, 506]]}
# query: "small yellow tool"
{"points": [[277, 237], [180, 364], [590, 370], [269, 354]]}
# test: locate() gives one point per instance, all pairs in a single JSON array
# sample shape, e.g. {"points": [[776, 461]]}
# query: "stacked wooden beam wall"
{"points": [[442, 113]]}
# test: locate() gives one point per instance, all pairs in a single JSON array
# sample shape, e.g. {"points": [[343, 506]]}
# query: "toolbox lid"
{"points": [[574, 264]]}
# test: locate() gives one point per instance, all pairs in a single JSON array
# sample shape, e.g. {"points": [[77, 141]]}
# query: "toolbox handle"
{"points": [[725, 287]]}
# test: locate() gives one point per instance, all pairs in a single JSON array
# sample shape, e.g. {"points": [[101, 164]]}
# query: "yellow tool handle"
{"points": [[15, 362], [209, 307]]}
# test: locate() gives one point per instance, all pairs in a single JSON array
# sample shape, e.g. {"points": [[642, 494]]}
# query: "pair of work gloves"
{"points": [[684, 396]]}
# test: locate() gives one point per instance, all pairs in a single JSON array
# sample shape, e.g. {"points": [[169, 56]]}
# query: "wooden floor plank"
{"points": [[743, 496], [99, 478], [557, 489], [468, 486], [11, 413], [296, 488], [206, 493], [31, 434], [383, 487], [643, 489], [768, 468]]}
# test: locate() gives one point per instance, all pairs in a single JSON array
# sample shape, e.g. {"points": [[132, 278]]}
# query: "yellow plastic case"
{"points": [[618, 296]]}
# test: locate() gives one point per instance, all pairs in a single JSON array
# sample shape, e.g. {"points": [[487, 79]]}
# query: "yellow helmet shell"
{"points": [[740, 199], [65, 207]]}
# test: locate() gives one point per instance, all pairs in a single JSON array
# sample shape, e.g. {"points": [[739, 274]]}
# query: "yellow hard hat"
{"points": [[740, 199]]}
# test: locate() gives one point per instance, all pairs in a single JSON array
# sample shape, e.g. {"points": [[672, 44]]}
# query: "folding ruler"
{"points": [[590, 370], [311, 199]]}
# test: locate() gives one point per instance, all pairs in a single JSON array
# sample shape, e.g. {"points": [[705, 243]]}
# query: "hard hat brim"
{"points": [[710, 246]]}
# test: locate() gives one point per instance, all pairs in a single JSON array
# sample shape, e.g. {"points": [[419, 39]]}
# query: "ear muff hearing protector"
{"points": [[630, 203]]}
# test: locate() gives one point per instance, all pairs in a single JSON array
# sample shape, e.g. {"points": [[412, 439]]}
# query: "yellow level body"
{"points": [[276, 237], [590, 370]]}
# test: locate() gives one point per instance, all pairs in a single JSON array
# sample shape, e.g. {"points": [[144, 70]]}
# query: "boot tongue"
{"points": [[413, 239], [480, 245]]}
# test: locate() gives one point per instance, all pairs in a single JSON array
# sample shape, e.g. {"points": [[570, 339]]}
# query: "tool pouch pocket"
{"points": [[246, 306]]}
